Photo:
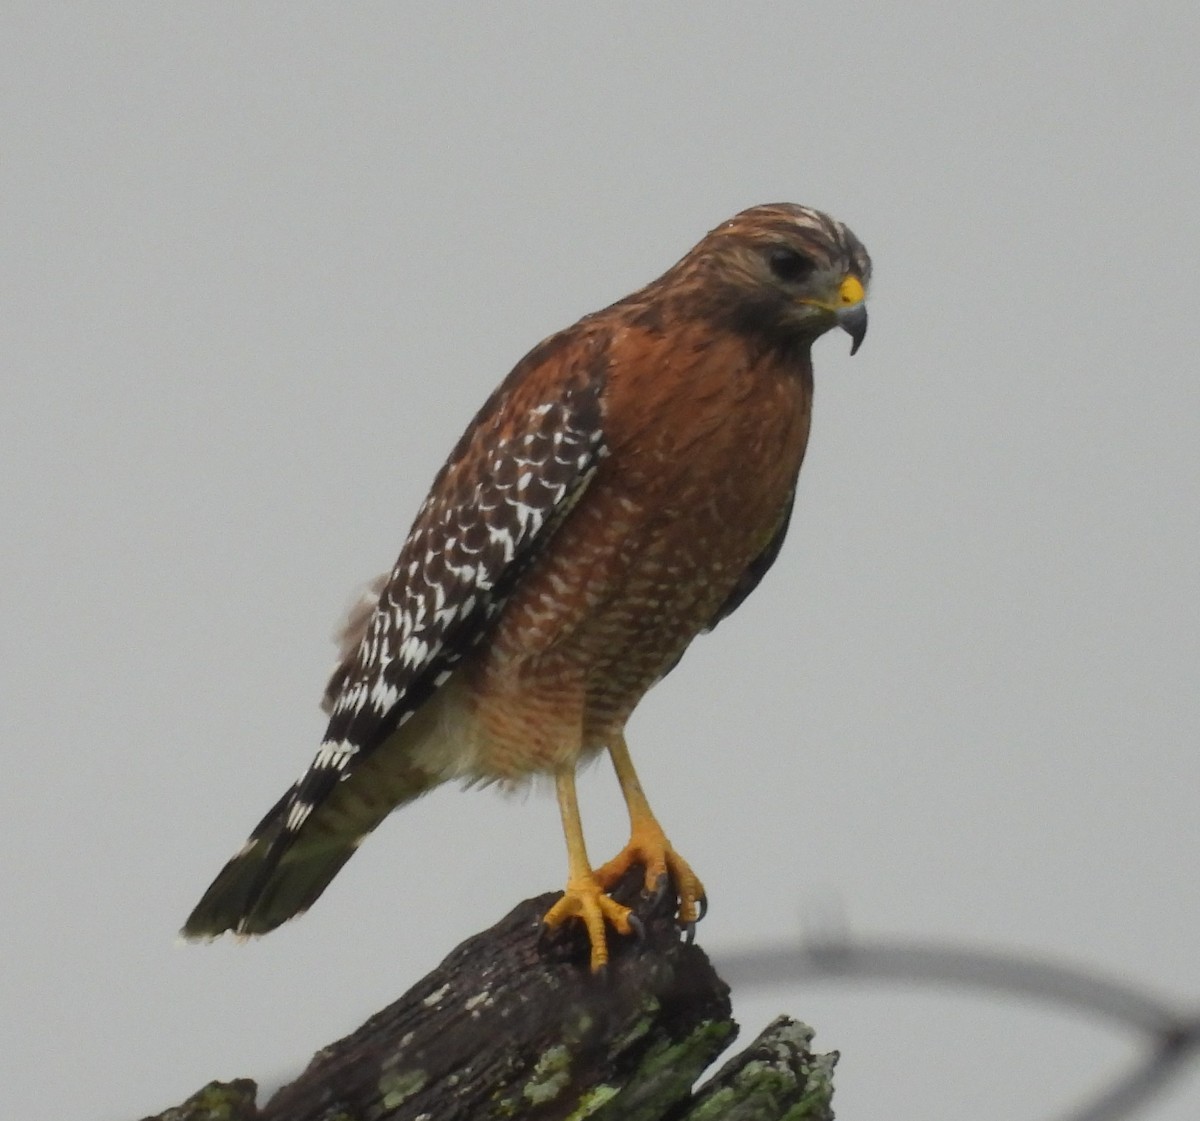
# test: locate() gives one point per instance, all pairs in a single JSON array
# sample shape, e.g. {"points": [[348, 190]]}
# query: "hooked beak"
{"points": [[853, 320], [849, 309]]}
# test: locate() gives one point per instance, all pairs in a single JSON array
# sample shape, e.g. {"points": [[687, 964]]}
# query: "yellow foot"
{"points": [[585, 899], [649, 847]]}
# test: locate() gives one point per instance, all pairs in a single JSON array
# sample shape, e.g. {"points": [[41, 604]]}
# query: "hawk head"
{"points": [[780, 274]]}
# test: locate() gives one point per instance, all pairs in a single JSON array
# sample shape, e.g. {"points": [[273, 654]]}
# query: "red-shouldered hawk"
{"points": [[623, 490]]}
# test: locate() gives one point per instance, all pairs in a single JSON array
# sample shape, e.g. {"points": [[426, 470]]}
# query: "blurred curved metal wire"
{"points": [[1172, 1035]]}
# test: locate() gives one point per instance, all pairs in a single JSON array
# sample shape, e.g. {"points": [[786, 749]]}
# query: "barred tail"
{"points": [[281, 871], [267, 882]]}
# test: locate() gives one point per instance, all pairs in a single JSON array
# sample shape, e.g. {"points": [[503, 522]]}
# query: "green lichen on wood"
{"points": [[776, 1078], [666, 1073], [218, 1101], [663, 1076], [596, 1097], [396, 1087], [817, 1101], [638, 1028], [551, 1076]]}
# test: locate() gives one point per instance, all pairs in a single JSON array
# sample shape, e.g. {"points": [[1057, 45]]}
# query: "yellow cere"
{"points": [[850, 292]]}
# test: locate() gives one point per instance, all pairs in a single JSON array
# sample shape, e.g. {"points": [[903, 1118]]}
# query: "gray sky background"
{"points": [[260, 264]]}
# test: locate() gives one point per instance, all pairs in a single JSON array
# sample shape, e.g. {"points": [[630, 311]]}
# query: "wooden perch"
{"points": [[511, 1027]]}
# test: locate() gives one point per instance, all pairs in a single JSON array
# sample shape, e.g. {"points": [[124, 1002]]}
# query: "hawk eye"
{"points": [[789, 265]]}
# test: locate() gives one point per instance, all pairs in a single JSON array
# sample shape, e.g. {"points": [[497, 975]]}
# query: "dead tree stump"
{"points": [[513, 1027]]}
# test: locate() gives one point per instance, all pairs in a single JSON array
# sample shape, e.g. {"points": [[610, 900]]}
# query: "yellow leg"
{"points": [[584, 898], [648, 844]]}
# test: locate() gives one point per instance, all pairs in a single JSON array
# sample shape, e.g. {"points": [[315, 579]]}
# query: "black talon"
{"points": [[661, 887], [638, 927], [702, 904], [689, 933]]}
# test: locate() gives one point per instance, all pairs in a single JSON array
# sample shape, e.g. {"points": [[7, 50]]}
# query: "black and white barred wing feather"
{"points": [[516, 473]]}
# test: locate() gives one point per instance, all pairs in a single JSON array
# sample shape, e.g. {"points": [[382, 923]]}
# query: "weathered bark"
{"points": [[509, 1026]]}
